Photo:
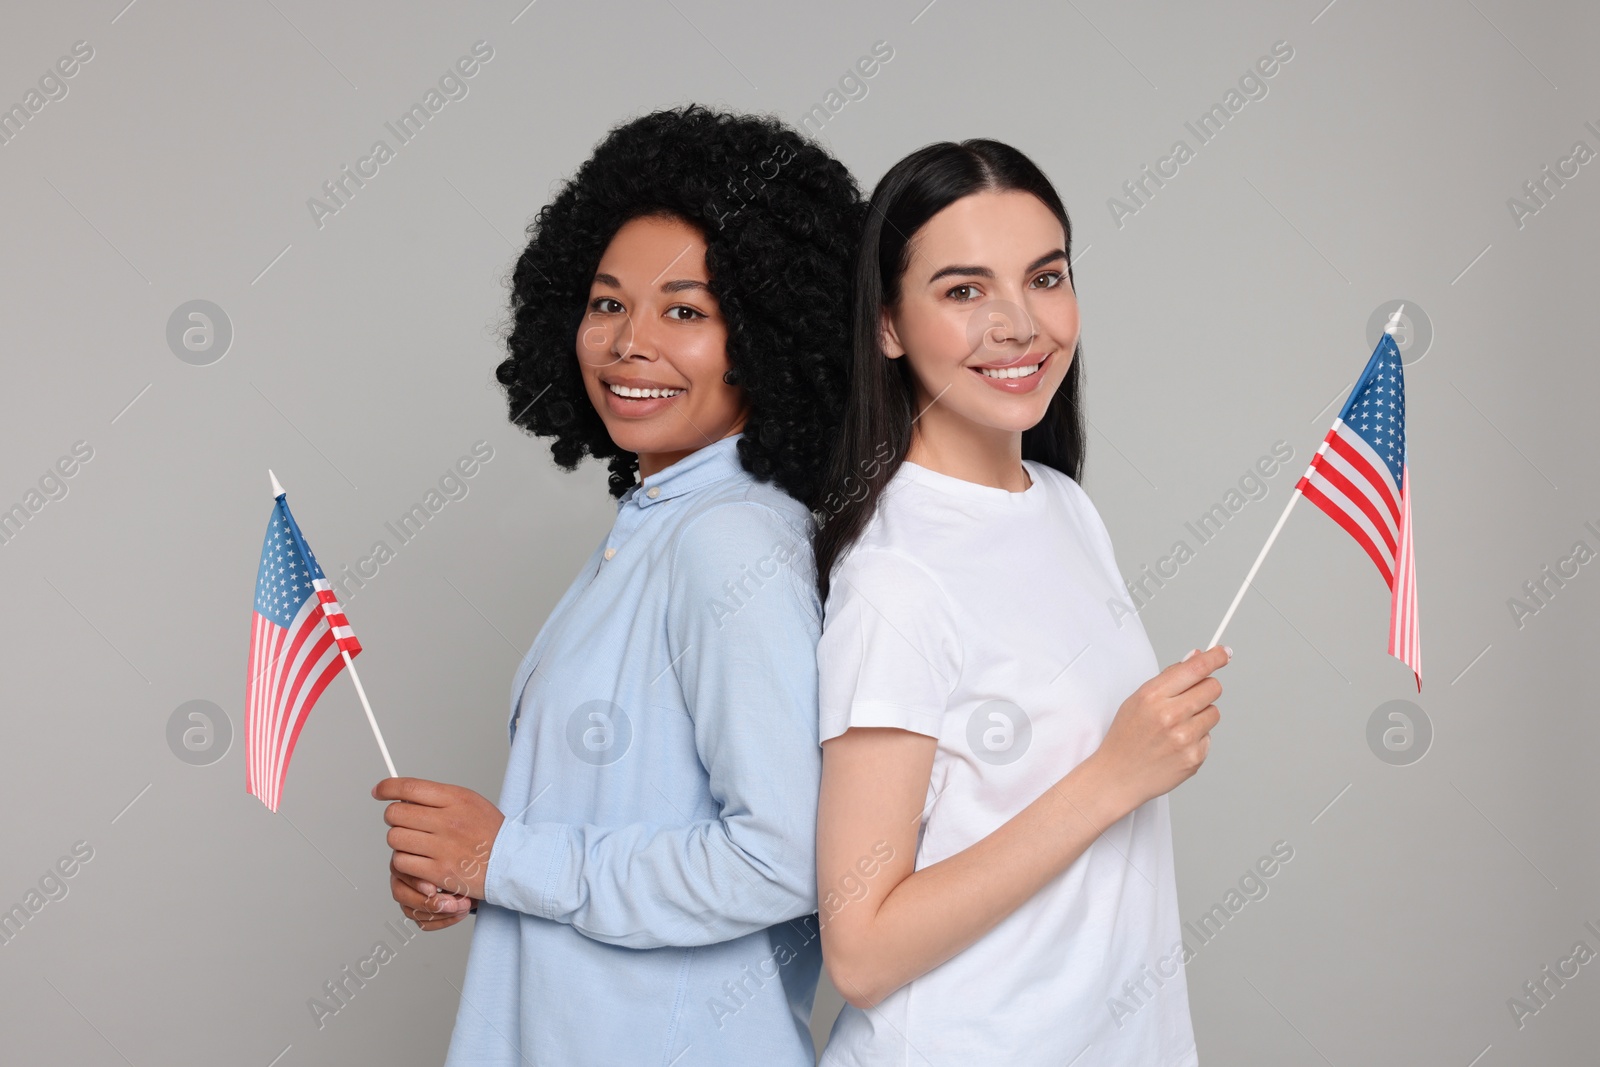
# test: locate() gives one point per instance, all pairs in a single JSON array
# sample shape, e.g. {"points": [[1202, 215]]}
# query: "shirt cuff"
{"points": [[522, 863]]}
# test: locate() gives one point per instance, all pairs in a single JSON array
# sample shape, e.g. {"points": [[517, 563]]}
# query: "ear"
{"points": [[888, 336]]}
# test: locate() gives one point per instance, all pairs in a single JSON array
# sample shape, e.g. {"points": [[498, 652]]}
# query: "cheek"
{"points": [[946, 336], [593, 344], [936, 343], [702, 358], [1063, 321]]}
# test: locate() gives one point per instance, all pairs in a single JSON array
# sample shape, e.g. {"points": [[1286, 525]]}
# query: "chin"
{"points": [[631, 437], [645, 438], [1010, 418], [1021, 425]]}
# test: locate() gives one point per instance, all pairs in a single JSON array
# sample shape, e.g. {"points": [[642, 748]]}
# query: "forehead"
{"points": [[996, 229], [648, 246]]}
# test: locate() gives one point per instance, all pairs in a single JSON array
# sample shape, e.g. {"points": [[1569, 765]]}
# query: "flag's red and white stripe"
{"points": [[1404, 644], [1350, 482], [1353, 485], [289, 669]]}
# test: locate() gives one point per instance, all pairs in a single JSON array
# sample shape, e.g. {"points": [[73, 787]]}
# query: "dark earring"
{"points": [[731, 377]]}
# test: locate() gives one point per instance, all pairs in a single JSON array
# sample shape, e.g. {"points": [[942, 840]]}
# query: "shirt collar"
{"points": [[702, 467]]}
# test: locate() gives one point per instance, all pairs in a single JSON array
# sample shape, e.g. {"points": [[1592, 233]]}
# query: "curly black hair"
{"points": [[781, 219]]}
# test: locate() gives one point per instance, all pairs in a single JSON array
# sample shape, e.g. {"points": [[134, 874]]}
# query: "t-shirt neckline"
{"points": [[989, 494]]}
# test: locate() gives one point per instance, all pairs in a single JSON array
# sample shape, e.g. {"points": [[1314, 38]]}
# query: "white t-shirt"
{"points": [[980, 617]]}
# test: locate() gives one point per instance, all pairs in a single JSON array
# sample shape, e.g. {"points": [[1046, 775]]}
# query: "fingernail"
{"points": [[1228, 650], [1187, 655]]}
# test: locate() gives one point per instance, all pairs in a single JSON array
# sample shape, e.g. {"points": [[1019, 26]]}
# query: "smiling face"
{"points": [[988, 320], [653, 346]]}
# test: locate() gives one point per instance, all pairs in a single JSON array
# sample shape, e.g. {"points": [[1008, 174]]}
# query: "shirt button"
{"points": [[610, 552], [653, 492]]}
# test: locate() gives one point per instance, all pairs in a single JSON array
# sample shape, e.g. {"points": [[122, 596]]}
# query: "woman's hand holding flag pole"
{"points": [[300, 639], [1359, 477]]}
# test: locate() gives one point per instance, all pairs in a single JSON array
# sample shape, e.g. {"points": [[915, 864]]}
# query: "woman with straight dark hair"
{"points": [[994, 850]]}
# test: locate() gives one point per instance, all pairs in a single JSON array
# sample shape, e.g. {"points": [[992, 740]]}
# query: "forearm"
{"points": [[647, 886], [934, 913]]}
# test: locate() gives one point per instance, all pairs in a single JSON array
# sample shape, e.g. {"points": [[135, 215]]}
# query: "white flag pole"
{"points": [[1394, 322], [350, 664], [1253, 568]]}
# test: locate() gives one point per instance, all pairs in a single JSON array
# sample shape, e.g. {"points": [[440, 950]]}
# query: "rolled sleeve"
{"points": [[520, 865]]}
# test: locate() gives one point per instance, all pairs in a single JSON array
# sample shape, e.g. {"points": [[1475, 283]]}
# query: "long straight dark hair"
{"points": [[878, 410]]}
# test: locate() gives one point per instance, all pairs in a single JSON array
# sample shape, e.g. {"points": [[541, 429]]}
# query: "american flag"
{"points": [[298, 633], [1359, 477]]}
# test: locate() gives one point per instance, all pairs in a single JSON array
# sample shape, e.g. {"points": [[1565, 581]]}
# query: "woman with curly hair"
{"points": [[645, 889]]}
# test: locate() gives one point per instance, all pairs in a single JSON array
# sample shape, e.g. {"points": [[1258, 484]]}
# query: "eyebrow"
{"points": [[985, 272], [676, 286]]}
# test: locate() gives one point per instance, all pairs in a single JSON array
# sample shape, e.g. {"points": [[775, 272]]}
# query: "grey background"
{"points": [[1228, 313]]}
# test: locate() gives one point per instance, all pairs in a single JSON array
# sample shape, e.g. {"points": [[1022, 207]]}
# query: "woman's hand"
{"points": [[1162, 733], [422, 903], [441, 834]]}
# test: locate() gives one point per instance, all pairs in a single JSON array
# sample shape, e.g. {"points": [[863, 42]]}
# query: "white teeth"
{"points": [[1010, 372], [642, 394]]}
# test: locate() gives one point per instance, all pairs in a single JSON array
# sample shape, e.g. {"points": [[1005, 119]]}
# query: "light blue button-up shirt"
{"points": [[651, 896]]}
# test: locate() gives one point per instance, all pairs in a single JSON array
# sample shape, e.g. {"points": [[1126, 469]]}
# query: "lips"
{"points": [[1032, 359], [638, 398], [1020, 376], [641, 390]]}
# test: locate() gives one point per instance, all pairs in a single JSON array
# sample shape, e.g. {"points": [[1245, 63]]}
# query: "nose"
{"points": [[632, 341], [999, 323]]}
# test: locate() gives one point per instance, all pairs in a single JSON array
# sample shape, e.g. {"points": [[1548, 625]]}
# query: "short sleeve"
{"points": [[889, 654], [1094, 528]]}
